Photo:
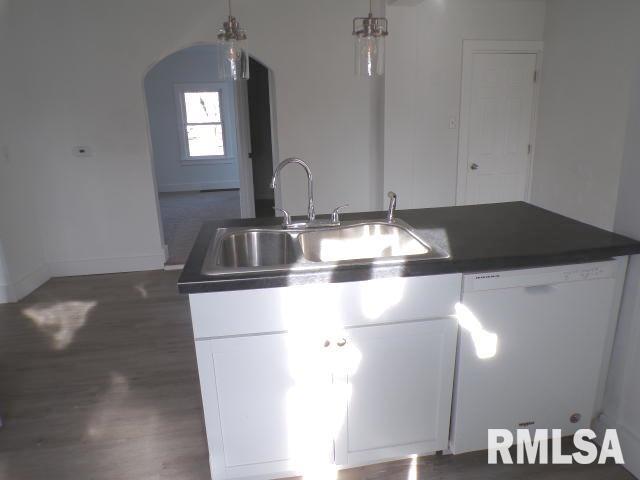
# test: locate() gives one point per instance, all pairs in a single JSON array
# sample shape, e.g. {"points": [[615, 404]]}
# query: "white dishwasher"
{"points": [[533, 348]]}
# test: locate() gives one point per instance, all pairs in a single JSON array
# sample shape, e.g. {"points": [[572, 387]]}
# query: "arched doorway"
{"points": [[210, 142]]}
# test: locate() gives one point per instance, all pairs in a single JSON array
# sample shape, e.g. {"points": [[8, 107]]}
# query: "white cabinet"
{"points": [[398, 404], [349, 373], [554, 329], [400, 393], [244, 383]]}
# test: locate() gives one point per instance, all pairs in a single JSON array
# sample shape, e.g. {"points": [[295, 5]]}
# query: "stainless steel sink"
{"points": [[251, 250], [368, 240], [257, 248]]}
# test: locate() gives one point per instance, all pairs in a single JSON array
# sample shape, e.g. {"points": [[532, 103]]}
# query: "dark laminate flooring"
{"points": [[98, 380]]}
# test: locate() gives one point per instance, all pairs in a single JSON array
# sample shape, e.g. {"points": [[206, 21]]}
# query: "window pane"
{"points": [[202, 107], [205, 140]]}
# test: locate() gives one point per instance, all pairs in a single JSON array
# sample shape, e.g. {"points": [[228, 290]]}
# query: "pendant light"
{"points": [[233, 58], [369, 33]]}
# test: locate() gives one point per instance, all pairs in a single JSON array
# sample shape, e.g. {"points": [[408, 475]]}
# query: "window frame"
{"points": [[185, 158]]}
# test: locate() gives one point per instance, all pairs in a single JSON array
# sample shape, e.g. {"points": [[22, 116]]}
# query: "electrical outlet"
{"points": [[82, 151]]}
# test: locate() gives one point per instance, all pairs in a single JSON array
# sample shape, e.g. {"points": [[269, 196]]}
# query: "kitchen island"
{"points": [[478, 237], [302, 371]]}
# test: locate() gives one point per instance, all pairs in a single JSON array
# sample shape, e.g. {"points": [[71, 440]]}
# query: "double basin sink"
{"points": [[252, 250]]}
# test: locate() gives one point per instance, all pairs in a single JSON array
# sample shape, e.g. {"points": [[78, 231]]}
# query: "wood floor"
{"points": [[98, 380]]}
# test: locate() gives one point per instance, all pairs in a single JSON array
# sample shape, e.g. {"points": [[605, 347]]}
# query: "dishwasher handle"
{"points": [[540, 289]]}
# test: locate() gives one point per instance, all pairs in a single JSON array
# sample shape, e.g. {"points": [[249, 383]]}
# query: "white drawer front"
{"points": [[389, 300]]}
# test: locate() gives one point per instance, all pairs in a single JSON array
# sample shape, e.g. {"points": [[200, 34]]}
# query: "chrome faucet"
{"points": [[333, 221], [393, 199], [284, 163]]}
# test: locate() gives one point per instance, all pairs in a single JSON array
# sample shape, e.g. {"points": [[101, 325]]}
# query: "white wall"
{"points": [[622, 401], [81, 65], [590, 50], [195, 65], [325, 114], [22, 267], [423, 82], [5, 294]]}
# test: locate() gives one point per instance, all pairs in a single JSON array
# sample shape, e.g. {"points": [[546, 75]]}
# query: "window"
{"points": [[201, 122]]}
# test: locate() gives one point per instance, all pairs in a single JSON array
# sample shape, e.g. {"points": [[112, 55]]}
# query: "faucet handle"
{"points": [[287, 218], [335, 215], [393, 198]]}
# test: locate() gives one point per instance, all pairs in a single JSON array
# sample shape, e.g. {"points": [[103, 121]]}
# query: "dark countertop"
{"points": [[479, 237]]}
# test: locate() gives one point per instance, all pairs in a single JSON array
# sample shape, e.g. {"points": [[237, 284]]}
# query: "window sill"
{"points": [[206, 161]]}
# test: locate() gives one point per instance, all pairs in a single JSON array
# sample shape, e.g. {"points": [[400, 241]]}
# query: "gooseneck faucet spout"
{"points": [[284, 163]]}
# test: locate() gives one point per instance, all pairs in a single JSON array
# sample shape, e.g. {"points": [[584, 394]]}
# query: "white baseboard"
{"points": [[30, 282], [174, 267], [94, 266], [196, 186], [18, 290], [629, 441], [6, 294]]}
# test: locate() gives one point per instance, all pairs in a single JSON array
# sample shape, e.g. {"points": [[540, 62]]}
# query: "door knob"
{"points": [[474, 166]]}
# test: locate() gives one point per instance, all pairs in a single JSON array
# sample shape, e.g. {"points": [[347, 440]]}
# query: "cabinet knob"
{"points": [[327, 344], [342, 342], [475, 166]]}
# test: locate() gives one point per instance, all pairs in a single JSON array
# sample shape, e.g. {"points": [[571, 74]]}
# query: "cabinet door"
{"points": [[244, 383], [400, 393]]}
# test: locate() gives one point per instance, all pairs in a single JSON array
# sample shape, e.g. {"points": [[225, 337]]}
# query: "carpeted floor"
{"points": [[184, 212]]}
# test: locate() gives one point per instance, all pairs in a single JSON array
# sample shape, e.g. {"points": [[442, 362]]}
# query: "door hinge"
{"points": [[529, 148], [535, 76]]}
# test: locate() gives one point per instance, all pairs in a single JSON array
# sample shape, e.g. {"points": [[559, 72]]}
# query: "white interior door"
{"points": [[496, 126]]}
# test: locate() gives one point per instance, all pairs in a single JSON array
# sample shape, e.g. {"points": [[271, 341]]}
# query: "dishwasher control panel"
{"points": [[532, 277]]}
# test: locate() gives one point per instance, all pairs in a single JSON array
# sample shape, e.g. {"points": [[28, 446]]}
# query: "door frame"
{"points": [[243, 124], [469, 48], [243, 135], [275, 149]]}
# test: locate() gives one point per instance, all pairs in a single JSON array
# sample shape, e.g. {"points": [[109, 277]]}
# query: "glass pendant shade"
{"points": [[369, 56], [369, 33], [233, 56], [233, 59]]}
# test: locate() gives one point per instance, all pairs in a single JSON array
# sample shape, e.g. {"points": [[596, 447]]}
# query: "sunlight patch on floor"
{"points": [[60, 322], [412, 474], [110, 403]]}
